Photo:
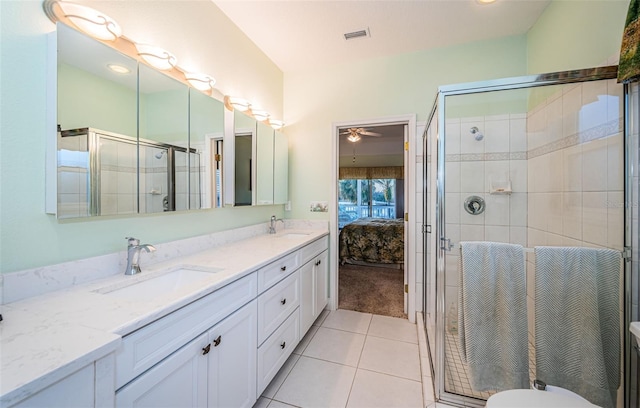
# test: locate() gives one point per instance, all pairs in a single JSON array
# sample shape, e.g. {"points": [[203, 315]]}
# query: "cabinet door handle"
{"points": [[318, 262], [205, 350], [217, 341], [283, 345], [283, 268], [283, 301]]}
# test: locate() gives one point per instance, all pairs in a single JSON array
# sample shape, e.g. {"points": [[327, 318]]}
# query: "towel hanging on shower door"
{"points": [[492, 315], [578, 321]]}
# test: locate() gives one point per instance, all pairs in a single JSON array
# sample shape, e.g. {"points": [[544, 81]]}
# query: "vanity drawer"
{"points": [[310, 251], [276, 304], [274, 272], [145, 347], [275, 351]]}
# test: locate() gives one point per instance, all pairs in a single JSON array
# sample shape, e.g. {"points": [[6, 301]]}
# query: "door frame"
{"points": [[410, 205]]}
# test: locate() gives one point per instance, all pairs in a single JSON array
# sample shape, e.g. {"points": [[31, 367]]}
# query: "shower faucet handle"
{"points": [[131, 241]]}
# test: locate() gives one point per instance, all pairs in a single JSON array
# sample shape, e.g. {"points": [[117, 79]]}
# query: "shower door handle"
{"points": [[445, 244]]}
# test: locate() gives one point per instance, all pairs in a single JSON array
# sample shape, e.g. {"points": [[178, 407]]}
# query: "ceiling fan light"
{"points": [[156, 57], [354, 137]]}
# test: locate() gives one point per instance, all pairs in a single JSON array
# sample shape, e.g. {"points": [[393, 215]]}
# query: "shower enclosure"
{"points": [[548, 160], [104, 173]]}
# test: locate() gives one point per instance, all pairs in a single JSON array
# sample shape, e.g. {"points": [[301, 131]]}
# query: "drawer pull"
{"points": [[283, 301], [284, 268], [283, 345], [217, 341], [205, 350]]}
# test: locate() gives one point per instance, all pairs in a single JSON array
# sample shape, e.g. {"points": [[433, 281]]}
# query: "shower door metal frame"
{"points": [[443, 244]]}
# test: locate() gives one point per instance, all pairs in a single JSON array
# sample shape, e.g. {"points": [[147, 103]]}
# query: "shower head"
{"points": [[476, 132], [160, 154]]}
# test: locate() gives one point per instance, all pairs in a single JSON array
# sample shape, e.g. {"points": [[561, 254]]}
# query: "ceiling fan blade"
{"points": [[367, 133]]}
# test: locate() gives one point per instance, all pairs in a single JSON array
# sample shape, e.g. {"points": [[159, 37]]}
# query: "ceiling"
{"points": [[308, 34], [390, 142]]}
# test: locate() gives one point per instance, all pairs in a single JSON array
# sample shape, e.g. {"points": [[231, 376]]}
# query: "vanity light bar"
{"points": [[201, 82], [259, 115], [276, 124], [156, 57], [86, 19]]}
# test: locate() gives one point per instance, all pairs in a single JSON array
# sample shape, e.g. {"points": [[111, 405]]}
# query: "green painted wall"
{"points": [[576, 34], [398, 85]]}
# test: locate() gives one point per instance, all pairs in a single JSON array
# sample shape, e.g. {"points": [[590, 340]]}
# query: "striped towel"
{"points": [[578, 321], [492, 315]]}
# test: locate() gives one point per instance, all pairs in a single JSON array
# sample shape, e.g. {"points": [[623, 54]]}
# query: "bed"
{"points": [[372, 240]]}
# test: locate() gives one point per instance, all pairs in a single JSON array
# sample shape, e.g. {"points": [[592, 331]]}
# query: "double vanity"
{"points": [[211, 328]]}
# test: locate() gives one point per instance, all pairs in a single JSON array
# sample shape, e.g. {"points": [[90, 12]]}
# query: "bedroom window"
{"points": [[362, 198]]}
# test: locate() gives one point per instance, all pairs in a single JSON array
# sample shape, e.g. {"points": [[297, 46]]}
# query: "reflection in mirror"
{"points": [[264, 159], [206, 126], [244, 129], [280, 168], [92, 96], [163, 124]]}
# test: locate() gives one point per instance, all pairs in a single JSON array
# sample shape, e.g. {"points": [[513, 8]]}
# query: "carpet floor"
{"points": [[371, 289]]}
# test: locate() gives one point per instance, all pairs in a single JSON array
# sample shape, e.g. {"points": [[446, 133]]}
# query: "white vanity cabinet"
{"points": [[216, 369], [314, 281], [203, 354], [232, 360]]}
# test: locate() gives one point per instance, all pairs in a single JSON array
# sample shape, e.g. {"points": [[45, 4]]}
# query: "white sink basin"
{"points": [[161, 285], [294, 235], [635, 329]]}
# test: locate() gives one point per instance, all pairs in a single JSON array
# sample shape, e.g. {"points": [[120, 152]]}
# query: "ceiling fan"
{"points": [[355, 133]]}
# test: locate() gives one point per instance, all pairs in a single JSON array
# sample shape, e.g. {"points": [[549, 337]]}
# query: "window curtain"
{"points": [[363, 173]]}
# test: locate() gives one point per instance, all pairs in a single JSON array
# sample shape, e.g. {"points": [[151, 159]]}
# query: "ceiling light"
{"points": [[354, 137], [276, 124], [201, 82], [156, 56], [119, 69], [88, 20], [259, 114], [238, 103], [485, 1]]}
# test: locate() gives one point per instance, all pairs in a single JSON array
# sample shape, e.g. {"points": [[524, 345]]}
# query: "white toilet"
{"points": [[552, 397]]}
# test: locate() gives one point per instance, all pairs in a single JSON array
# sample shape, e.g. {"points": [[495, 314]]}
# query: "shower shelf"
{"points": [[500, 187]]}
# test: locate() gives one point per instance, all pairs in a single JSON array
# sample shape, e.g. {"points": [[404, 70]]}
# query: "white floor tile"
{"points": [[348, 320], [316, 383], [393, 328], [305, 340], [336, 346], [277, 381], [391, 357], [371, 390]]}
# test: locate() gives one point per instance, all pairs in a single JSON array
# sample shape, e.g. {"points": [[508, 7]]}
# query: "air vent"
{"points": [[356, 34]]}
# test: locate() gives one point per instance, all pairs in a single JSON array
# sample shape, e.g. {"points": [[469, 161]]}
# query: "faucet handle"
{"points": [[132, 241]]}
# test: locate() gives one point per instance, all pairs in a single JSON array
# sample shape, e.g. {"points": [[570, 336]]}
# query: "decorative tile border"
{"points": [[610, 128]]}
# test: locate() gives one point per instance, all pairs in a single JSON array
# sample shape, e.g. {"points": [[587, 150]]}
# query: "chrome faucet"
{"points": [[133, 255], [272, 224]]}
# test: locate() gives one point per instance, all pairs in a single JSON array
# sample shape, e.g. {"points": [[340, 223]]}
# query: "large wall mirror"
{"points": [[130, 138], [261, 162], [133, 140]]}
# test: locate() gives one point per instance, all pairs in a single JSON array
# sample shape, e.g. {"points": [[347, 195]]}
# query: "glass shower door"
{"points": [[521, 163]]}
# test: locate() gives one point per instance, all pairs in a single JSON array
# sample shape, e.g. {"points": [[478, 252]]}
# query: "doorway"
{"points": [[369, 209]]}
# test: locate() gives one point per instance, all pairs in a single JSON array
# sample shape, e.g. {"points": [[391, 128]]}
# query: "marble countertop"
{"points": [[45, 338]]}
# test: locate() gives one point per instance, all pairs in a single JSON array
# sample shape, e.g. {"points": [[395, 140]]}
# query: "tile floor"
{"points": [[352, 359]]}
